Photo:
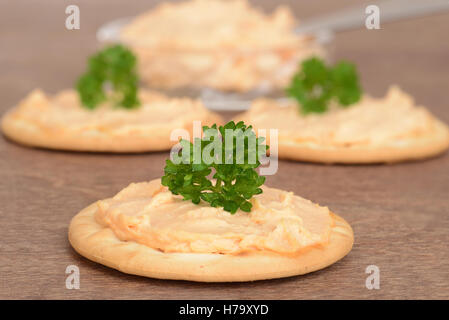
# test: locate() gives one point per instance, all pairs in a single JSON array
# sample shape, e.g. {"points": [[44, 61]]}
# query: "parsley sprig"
{"points": [[315, 85], [230, 180], [112, 76]]}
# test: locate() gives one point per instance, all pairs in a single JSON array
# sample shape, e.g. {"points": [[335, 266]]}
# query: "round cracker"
{"points": [[29, 134], [100, 244], [410, 148]]}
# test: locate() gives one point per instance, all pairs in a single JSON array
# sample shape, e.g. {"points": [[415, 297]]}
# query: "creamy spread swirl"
{"points": [[223, 44], [372, 121], [211, 24], [149, 214], [158, 114]]}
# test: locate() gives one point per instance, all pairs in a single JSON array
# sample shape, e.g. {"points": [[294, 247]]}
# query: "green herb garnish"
{"points": [[316, 85], [231, 165], [112, 76]]}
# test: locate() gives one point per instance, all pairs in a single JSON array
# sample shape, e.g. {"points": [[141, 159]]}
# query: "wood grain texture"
{"points": [[399, 213]]}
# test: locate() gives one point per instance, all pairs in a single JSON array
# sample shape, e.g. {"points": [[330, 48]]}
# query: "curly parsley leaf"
{"points": [[316, 85], [217, 171], [112, 76]]}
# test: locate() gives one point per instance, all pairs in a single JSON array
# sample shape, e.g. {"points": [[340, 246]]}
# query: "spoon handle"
{"points": [[390, 10]]}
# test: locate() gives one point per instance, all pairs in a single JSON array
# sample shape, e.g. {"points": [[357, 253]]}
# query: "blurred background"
{"points": [[38, 51]]}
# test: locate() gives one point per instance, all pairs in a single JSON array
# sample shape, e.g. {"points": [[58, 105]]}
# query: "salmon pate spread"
{"points": [[371, 125], [279, 221], [227, 45], [61, 122]]}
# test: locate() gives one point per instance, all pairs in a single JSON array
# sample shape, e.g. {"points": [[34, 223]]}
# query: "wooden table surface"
{"points": [[400, 213]]}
